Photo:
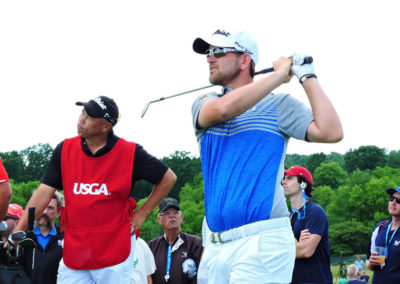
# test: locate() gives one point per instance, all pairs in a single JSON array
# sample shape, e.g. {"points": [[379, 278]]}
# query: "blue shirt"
{"points": [[359, 264], [243, 158], [315, 269], [43, 240]]}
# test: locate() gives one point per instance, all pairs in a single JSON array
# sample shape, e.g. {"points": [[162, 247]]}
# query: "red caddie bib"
{"points": [[97, 202]]}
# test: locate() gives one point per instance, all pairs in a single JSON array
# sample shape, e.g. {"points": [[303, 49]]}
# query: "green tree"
{"points": [[330, 174], [295, 160], [339, 208], [335, 157], [142, 189], [22, 192], [29, 164], [394, 159], [349, 237], [36, 159], [323, 196], [14, 164], [192, 205], [365, 158], [359, 178], [150, 229], [185, 166], [314, 161]]}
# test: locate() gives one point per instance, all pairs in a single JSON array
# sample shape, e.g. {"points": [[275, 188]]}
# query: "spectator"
{"points": [[177, 254], [310, 227], [5, 191], [243, 133], [364, 277], [359, 263], [97, 171], [41, 263], [387, 235], [14, 213], [143, 264], [353, 273]]}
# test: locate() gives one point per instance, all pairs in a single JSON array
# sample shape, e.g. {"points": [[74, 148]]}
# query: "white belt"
{"points": [[249, 229]]}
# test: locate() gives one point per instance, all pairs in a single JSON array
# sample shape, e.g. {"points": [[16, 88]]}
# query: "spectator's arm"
{"points": [[40, 199], [160, 191], [306, 247], [373, 261], [5, 196]]}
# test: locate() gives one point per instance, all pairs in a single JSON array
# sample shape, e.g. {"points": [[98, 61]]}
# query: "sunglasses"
{"points": [[172, 212], [393, 198], [219, 52]]}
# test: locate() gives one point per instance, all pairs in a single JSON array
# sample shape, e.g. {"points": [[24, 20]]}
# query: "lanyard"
{"points": [[168, 263], [387, 244], [299, 216]]}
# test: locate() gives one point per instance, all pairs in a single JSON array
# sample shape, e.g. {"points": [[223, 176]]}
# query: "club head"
{"points": [[145, 109], [17, 236], [27, 243]]}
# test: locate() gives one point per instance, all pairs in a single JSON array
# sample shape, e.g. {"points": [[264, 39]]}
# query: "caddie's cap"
{"points": [[392, 190], [240, 40], [168, 202], [14, 211], [101, 107], [300, 171]]}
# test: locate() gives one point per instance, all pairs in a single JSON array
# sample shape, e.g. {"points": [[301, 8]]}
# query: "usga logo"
{"points": [[93, 189]]}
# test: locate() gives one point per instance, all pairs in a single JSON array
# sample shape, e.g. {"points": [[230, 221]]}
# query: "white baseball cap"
{"points": [[240, 40]]}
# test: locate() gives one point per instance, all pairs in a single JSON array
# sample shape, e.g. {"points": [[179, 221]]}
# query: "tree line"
{"points": [[350, 187]]}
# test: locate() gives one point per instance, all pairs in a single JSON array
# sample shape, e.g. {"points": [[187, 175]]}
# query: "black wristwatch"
{"points": [[306, 77]]}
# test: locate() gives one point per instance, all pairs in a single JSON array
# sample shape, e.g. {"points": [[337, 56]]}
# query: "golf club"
{"points": [[25, 243], [307, 60], [17, 236]]}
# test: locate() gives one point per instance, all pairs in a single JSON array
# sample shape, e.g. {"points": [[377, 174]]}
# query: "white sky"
{"points": [[54, 53]]}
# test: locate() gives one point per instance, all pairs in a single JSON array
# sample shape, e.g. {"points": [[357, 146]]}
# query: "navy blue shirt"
{"points": [[315, 269], [390, 272]]}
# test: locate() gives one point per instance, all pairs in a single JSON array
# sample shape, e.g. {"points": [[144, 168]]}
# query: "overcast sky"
{"points": [[54, 53]]}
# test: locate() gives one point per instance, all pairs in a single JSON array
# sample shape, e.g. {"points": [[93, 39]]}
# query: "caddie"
{"points": [[97, 171]]}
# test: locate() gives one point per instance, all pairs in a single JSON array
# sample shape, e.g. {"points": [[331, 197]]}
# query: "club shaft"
{"points": [[307, 60]]}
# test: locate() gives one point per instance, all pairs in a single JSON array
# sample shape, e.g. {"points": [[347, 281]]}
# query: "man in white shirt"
{"points": [[143, 263]]}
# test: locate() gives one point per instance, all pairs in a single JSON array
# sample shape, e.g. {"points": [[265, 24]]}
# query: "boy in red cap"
{"points": [[310, 228], [12, 217]]}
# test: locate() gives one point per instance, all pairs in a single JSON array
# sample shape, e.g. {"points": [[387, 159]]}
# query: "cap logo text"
{"points": [[100, 103], [219, 32], [243, 48]]}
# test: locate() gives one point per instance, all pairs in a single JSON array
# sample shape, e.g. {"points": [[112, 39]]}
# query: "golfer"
{"points": [[243, 134]]}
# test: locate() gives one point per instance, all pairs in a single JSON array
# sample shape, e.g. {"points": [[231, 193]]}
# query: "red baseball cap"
{"points": [[300, 171], [15, 210]]}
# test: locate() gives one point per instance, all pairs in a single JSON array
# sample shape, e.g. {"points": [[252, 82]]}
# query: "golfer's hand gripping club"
{"points": [[306, 60], [302, 65]]}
